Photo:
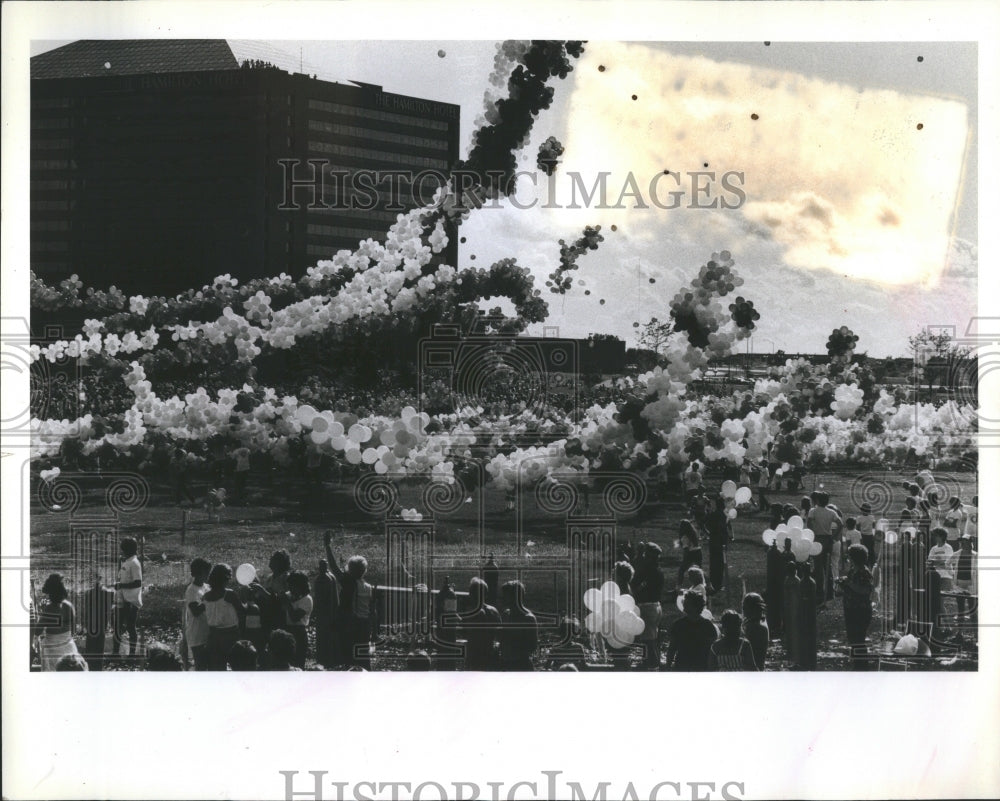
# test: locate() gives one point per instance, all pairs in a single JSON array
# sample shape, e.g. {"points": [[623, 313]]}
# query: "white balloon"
{"points": [[306, 414], [609, 590], [381, 467], [320, 423], [891, 538], [782, 528], [319, 437], [769, 537], [245, 574], [801, 549], [796, 522], [616, 642], [808, 534], [743, 495], [626, 603], [369, 456], [731, 514], [728, 489], [594, 622], [353, 455], [592, 599], [338, 441], [816, 549]]}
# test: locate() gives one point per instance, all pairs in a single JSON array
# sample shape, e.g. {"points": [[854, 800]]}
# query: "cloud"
{"points": [[841, 177]]}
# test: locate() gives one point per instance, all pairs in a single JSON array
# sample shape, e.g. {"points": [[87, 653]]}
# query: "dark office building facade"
{"points": [[157, 165]]}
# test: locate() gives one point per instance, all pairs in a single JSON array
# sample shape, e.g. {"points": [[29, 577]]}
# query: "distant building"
{"points": [[159, 164]]}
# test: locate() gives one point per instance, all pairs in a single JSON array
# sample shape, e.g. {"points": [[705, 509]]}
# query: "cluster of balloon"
{"points": [[803, 540], [735, 497], [411, 514], [785, 467], [612, 615]]}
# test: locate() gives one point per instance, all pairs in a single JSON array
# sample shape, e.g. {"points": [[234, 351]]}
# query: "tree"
{"points": [[928, 347], [654, 335]]}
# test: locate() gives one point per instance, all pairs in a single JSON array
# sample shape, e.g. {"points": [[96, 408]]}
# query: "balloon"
{"points": [[338, 442], [319, 437], [306, 414], [609, 590], [731, 514], [369, 456], [245, 574], [592, 599], [359, 433], [770, 537], [796, 522], [626, 603], [613, 641], [808, 534], [336, 429], [353, 455], [320, 423], [891, 538], [728, 489], [816, 549], [705, 613], [680, 602], [743, 495], [381, 467], [882, 524], [782, 528], [609, 608], [593, 622]]}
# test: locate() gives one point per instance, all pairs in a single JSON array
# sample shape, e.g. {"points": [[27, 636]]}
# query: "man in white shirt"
{"points": [[128, 596]]}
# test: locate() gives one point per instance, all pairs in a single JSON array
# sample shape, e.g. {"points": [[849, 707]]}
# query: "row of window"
{"points": [[49, 164], [343, 230], [384, 116], [382, 136], [42, 123], [49, 205], [50, 225], [362, 214], [382, 155], [50, 144]]}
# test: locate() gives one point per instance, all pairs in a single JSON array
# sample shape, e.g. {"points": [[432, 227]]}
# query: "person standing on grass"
{"points": [[223, 610], [298, 604], [755, 627], [518, 631], [857, 587], [98, 603], [648, 587], [808, 595], [326, 595], [241, 473], [195, 622], [54, 623], [763, 483], [179, 473], [273, 591], [866, 527], [731, 651], [965, 564], [357, 604], [691, 549], [720, 534], [480, 626], [972, 522], [691, 636], [790, 618], [128, 597], [822, 520], [693, 482]]}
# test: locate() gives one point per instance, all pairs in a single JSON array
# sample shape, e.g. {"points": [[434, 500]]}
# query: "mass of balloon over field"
{"points": [[802, 413]]}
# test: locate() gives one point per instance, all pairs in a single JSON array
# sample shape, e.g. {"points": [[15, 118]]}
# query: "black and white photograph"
{"points": [[493, 357]]}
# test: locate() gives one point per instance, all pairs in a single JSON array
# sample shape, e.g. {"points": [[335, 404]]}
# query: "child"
{"points": [[298, 608], [281, 651], [222, 612], [866, 527], [98, 603], [731, 651], [128, 597], [965, 564], [195, 622], [696, 583], [763, 482], [857, 588], [755, 628], [691, 636], [243, 656], [215, 502], [691, 548], [954, 519]]}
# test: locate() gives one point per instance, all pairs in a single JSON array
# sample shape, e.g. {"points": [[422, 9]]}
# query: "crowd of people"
{"points": [[331, 620]]}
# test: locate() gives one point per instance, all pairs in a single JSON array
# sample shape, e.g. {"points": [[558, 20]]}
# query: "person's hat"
{"points": [[866, 508]]}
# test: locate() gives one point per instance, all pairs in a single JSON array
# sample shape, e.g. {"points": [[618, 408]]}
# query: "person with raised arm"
{"points": [[357, 603]]}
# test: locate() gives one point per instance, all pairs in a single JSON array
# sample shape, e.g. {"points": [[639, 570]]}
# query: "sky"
{"points": [[856, 165]]}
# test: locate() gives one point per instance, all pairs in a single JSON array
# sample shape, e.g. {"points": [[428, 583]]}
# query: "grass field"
{"points": [[279, 515]]}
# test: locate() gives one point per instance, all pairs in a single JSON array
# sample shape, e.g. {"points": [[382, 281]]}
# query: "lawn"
{"points": [[280, 515]]}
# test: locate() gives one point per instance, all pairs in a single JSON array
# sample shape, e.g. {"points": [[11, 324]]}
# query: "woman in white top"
{"points": [[54, 624], [223, 610]]}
